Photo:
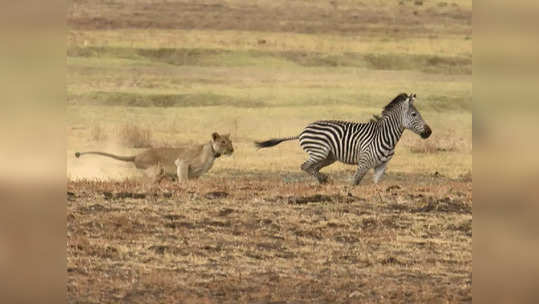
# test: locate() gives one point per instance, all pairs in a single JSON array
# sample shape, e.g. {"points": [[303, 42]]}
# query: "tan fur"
{"points": [[161, 162]]}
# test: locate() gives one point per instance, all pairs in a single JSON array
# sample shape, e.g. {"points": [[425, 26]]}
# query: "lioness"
{"points": [[184, 162]]}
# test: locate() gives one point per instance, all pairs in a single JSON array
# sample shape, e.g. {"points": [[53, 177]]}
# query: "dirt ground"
{"points": [[266, 239]]}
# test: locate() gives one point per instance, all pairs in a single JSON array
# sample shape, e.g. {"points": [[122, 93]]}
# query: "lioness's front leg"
{"points": [[182, 170]]}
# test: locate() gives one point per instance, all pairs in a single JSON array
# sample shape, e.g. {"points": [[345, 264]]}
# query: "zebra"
{"points": [[367, 145]]}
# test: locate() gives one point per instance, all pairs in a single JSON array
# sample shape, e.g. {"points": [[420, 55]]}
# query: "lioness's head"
{"points": [[222, 143]]}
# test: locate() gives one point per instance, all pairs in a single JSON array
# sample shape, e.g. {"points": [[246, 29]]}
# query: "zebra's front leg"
{"points": [[358, 176], [321, 177], [379, 171]]}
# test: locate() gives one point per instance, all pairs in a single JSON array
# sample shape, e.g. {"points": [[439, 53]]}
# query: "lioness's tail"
{"points": [[124, 158], [274, 141]]}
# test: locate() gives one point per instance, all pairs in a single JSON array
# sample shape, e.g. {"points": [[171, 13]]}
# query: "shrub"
{"points": [[134, 136], [98, 133]]}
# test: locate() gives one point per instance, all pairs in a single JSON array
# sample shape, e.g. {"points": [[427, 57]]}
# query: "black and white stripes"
{"points": [[369, 145], [341, 139]]}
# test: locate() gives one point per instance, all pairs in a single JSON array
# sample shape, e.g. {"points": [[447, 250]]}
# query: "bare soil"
{"points": [[261, 239]]}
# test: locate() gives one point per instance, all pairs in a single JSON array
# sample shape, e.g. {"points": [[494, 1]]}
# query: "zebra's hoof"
{"points": [[323, 179]]}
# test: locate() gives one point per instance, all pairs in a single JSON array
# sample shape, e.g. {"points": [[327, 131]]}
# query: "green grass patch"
{"points": [[184, 57], [159, 100], [230, 58], [438, 103], [441, 103], [424, 63]]}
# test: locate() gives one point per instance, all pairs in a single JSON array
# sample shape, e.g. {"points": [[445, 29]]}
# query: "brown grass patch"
{"points": [[285, 16], [98, 133], [434, 146], [372, 243], [134, 136], [445, 141]]}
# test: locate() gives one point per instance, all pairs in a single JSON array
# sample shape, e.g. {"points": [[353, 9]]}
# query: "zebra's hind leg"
{"points": [[378, 172], [309, 167], [312, 167]]}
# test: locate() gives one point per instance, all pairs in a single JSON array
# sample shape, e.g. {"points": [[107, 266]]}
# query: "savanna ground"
{"points": [[256, 229]]}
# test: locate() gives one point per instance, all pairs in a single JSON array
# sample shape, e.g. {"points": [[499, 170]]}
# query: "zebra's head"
{"points": [[412, 119]]}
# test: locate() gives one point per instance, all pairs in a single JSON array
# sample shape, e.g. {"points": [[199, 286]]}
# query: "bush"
{"points": [[98, 133], [134, 136]]}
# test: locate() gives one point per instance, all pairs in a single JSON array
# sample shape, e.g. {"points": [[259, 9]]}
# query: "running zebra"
{"points": [[369, 145]]}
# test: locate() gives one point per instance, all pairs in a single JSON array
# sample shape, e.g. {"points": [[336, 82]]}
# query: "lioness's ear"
{"points": [[215, 135]]}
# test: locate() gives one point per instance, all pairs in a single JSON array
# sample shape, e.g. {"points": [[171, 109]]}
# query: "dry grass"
{"points": [[134, 136], [98, 133], [195, 124], [447, 141], [259, 239], [283, 16], [435, 145]]}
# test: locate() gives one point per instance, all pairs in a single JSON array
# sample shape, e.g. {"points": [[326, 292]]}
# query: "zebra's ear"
{"points": [[412, 97]]}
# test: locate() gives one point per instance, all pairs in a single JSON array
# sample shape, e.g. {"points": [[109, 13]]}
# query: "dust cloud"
{"points": [[97, 167]]}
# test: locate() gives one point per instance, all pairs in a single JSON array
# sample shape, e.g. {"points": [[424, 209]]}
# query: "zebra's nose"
{"points": [[427, 132]]}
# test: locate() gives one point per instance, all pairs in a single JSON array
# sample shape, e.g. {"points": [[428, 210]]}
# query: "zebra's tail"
{"points": [[273, 142]]}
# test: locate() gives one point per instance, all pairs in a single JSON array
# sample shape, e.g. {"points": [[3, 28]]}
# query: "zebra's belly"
{"points": [[347, 161], [325, 152], [384, 157], [373, 159]]}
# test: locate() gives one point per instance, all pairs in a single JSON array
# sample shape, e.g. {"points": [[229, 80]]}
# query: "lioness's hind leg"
{"points": [[182, 170], [155, 173], [159, 176]]}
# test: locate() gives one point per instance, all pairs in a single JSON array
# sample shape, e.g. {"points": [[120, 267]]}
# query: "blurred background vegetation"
{"points": [[172, 72]]}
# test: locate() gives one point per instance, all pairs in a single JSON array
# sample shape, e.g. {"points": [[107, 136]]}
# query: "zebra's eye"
{"points": [[414, 114]]}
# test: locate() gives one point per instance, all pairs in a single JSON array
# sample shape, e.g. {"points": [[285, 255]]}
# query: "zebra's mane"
{"points": [[396, 101]]}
